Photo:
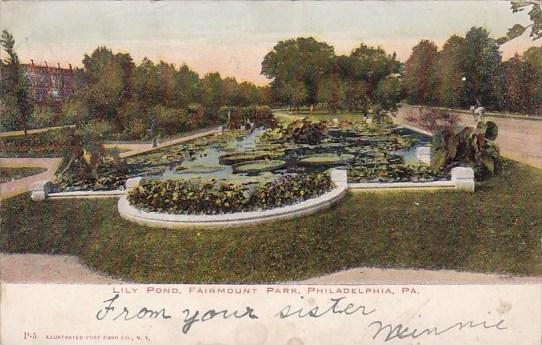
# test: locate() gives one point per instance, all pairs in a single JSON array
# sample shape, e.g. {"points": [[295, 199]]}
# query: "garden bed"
{"points": [[209, 197], [283, 199], [495, 230]]}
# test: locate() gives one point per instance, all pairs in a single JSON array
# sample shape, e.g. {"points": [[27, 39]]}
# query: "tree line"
{"points": [[123, 99], [470, 70], [306, 72], [130, 97]]}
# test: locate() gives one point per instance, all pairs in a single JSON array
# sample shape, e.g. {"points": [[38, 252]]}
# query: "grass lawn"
{"points": [[8, 174], [496, 229]]}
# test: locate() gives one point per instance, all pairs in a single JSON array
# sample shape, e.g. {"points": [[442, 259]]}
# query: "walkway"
{"points": [[136, 149], [369, 275], [41, 268], [31, 131], [519, 138], [16, 187], [66, 269]]}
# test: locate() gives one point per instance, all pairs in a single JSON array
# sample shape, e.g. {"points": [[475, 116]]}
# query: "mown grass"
{"points": [[496, 229]]}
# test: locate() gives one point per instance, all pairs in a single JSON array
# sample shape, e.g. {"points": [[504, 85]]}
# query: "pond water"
{"points": [[343, 147]]}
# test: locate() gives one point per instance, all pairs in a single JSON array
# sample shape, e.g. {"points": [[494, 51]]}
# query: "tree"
{"points": [[535, 14], [107, 83], [17, 106], [483, 70], [188, 87], [533, 59], [297, 63], [364, 70], [213, 96], [165, 76], [451, 72], [388, 94], [146, 85], [517, 86], [231, 91], [331, 92], [421, 77]]}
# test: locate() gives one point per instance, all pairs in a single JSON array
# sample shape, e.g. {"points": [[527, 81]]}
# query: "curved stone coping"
{"points": [[403, 185], [174, 221], [87, 194], [462, 180]]}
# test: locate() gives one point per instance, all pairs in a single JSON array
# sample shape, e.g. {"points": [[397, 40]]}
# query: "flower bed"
{"points": [[185, 197]]}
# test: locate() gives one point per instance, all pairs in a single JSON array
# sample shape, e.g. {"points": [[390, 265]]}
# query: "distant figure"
{"points": [[478, 111], [152, 132]]}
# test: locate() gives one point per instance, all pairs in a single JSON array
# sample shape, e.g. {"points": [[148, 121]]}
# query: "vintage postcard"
{"points": [[271, 172]]}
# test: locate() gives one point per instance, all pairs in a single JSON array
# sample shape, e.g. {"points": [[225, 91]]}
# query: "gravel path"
{"points": [[16, 187], [366, 275], [136, 149], [519, 139], [31, 131], [39, 268]]}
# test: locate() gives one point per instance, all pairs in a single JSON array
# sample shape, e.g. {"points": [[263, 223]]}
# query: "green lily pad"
{"points": [[198, 169], [240, 157], [326, 159], [258, 166]]}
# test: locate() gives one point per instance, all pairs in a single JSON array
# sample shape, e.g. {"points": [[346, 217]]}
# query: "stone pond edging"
{"points": [[462, 179], [174, 221]]}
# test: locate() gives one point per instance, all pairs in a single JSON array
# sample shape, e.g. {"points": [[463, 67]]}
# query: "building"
{"points": [[49, 84]]}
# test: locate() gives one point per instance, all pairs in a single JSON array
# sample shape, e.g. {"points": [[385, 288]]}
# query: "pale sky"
{"points": [[233, 37]]}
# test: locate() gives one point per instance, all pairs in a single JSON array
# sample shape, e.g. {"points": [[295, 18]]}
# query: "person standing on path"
{"points": [[152, 131]]}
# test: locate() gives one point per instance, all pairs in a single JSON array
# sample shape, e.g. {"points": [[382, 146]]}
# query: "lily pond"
{"points": [[382, 153]]}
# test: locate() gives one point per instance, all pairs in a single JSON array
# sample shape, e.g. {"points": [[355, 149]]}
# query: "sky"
{"points": [[233, 37]]}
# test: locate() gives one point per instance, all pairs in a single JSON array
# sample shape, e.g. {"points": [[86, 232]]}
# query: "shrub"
{"points": [[186, 197], [434, 120], [467, 146], [137, 129], [86, 164], [74, 112], [196, 116], [305, 132], [9, 114], [42, 117], [243, 117], [170, 120], [290, 189]]}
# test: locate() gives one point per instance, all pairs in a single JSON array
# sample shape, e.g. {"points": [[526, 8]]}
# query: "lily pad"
{"points": [[240, 157], [326, 159], [198, 169], [258, 166]]}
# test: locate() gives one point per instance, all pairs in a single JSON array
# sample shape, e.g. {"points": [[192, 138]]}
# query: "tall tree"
{"points": [[533, 58], [421, 77], [107, 86], [451, 70], [213, 96], [331, 91], [188, 87], [146, 85], [517, 84], [17, 105], [302, 60], [483, 69]]}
